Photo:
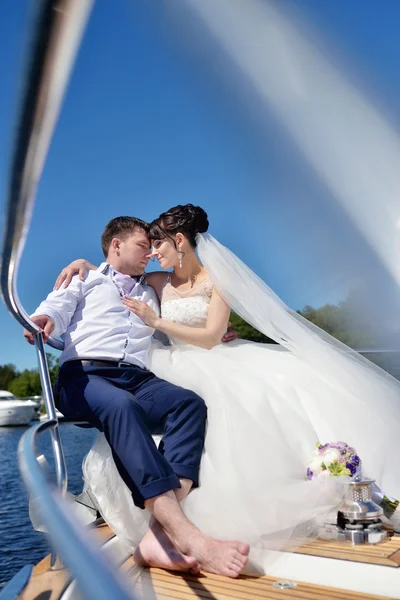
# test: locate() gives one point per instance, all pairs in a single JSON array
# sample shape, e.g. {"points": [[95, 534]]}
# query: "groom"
{"points": [[104, 379]]}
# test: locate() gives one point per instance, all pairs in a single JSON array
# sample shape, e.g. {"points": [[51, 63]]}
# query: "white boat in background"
{"points": [[14, 411]]}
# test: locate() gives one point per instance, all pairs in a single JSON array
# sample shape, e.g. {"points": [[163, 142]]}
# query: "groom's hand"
{"points": [[230, 335], [45, 324]]}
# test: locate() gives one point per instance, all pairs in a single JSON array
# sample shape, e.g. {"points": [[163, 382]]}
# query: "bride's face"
{"points": [[166, 253]]}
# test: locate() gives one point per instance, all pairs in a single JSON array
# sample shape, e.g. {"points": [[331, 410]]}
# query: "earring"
{"points": [[180, 256]]}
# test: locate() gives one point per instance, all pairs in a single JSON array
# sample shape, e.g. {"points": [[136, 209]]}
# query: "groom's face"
{"points": [[134, 252]]}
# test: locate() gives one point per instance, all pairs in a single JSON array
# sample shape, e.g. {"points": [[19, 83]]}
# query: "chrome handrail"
{"points": [[385, 358], [56, 36], [59, 25], [376, 350], [90, 569], [57, 33]]}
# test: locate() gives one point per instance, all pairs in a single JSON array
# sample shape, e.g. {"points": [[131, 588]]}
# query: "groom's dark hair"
{"points": [[121, 227]]}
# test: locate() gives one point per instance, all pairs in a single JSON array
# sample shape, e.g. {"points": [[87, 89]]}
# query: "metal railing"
{"points": [[41, 101], [91, 570], [56, 35], [387, 359]]}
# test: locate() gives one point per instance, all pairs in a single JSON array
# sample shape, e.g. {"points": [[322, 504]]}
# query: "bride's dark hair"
{"points": [[188, 219]]}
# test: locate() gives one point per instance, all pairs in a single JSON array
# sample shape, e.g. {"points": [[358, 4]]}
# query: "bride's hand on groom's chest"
{"points": [[142, 310]]}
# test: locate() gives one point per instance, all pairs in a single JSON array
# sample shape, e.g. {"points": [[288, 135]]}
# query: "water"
{"points": [[388, 361], [20, 543]]}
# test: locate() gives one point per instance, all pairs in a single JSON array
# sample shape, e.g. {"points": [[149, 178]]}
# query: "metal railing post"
{"points": [[93, 572], [61, 469]]}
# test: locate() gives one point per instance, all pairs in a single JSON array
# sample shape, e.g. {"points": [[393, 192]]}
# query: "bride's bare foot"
{"points": [[157, 550], [214, 556]]}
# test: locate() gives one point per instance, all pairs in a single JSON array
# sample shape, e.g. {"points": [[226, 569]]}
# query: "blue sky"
{"points": [[147, 124]]}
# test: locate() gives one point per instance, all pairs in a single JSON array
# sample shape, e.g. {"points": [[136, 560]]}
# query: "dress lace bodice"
{"points": [[189, 307]]}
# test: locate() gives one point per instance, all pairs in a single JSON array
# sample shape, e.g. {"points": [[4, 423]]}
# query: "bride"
{"points": [[268, 404]]}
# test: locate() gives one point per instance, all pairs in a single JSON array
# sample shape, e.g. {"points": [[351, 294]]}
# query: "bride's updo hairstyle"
{"points": [[188, 219]]}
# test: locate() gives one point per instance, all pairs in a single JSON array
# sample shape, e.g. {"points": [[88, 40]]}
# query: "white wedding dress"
{"points": [[266, 410]]}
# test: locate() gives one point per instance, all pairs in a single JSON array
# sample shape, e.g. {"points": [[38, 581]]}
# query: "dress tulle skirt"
{"points": [[266, 411]]}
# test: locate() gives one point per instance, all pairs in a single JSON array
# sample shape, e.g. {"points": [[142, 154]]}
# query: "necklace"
{"points": [[192, 279]]}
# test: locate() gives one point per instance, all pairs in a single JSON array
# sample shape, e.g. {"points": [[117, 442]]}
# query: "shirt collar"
{"points": [[121, 280]]}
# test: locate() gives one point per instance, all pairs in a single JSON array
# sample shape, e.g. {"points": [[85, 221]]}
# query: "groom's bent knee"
{"points": [[193, 404], [199, 406]]}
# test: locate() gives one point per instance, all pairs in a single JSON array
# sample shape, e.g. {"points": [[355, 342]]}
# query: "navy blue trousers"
{"points": [[129, 405]]}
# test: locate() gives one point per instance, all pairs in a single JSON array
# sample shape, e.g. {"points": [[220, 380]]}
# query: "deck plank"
{"points": [[47, 585], [157, 584], [386, 553], [103, 532]]}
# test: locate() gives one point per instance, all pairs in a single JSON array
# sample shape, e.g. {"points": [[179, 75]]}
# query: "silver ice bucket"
{"points": [[358, 504]]}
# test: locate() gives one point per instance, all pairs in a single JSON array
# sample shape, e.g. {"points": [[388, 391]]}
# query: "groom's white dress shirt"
{"points": [[92, 321]]}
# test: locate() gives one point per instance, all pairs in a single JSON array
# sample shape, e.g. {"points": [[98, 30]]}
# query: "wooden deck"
{"points": [[157, 584], [46, 583], [386, 553]]}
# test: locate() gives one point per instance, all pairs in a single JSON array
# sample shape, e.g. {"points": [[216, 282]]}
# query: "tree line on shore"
{"points": [[27, 382]]}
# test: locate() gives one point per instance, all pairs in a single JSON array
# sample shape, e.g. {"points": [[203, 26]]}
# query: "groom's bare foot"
{"points": [[223, 558], [157, 550], [214, 556]]}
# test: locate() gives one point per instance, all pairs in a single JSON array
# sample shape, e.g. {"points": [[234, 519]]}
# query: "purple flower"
{"points": [[342, 446], [355, 460], [310, 474], [352, 468]]}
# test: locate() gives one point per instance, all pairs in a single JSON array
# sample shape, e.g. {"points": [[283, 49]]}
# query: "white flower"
{"points": [[324, 474], [330, 456], [316, 464]]}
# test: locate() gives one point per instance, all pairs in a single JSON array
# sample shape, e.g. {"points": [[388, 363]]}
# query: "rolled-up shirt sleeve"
{"points": [[60, 305]]}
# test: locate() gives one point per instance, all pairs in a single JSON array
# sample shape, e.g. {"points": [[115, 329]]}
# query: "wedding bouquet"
{"points": [[336, 459]]}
